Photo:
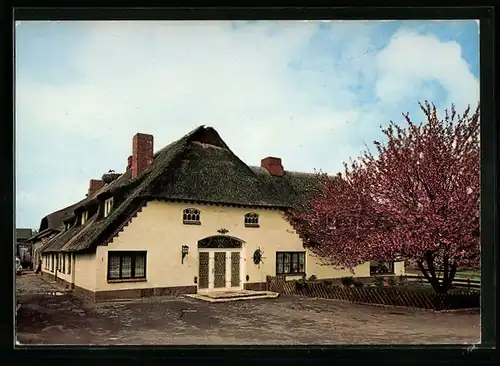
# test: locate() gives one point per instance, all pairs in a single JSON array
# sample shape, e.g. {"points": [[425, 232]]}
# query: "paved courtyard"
{"points": [[45, 318]]}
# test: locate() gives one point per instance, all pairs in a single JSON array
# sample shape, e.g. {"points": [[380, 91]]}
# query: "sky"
{"points": [[312, 93]]}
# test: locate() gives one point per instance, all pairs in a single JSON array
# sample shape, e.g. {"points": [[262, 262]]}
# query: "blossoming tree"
{"points": [[416, 199]]}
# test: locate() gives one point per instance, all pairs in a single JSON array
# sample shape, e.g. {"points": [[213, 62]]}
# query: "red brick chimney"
{"points": [[142, 153], [273, 166], [94, 186], [129, 162]]}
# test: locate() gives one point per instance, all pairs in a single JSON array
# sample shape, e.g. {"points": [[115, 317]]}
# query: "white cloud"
{"points": [[411, 59], [166, 78]]}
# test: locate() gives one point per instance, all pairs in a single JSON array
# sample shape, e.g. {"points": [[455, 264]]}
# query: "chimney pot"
{"points": [[273, 166], [142, 153], [94, 186]]}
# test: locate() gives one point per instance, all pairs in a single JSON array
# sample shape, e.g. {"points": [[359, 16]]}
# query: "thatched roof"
{"points": [[199, 167]]}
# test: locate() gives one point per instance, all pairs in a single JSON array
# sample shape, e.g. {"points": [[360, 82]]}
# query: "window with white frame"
{"points": [[108, 205], [69, 263], [85, 216]]}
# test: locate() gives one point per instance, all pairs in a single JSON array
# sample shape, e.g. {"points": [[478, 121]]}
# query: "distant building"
{"points": [[23, 246]]}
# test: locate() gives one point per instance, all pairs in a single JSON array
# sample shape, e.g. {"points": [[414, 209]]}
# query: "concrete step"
{"points": [[205, 297]]}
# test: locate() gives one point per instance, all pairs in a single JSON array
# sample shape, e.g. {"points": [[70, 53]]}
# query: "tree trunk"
{"points": [[430, 273]]}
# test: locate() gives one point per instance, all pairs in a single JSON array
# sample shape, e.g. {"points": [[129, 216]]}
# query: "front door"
{"points": [[219, 270], [220, 264]]}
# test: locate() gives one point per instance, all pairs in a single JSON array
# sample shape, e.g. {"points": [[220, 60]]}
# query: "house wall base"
{"points": [[255, 286], [49, 276], [138, 293], [66, 284]]}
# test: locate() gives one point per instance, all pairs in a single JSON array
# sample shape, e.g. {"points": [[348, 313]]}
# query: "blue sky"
{"points": [[312, 93]]}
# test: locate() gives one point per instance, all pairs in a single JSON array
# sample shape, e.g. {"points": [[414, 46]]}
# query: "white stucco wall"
{"points": [[158, 229], [84, 268]]}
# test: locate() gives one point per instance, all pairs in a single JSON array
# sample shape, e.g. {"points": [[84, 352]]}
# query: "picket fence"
{"points": [[392, 296]]}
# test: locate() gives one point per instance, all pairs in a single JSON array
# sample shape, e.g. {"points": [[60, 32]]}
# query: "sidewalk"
{"points": [[31, 283]]}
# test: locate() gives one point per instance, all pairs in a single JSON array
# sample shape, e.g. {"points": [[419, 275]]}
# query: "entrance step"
{"points": [[225, 296]]}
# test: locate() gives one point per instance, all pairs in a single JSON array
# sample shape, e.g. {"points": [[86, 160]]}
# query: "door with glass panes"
{"points": [[219, 264]]}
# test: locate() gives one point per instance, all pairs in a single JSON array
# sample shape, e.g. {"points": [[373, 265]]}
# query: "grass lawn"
{"points": [[473, 275]]}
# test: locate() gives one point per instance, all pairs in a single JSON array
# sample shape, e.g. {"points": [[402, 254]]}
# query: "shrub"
{"points": [[358, 284], [378, 281], [347, 281], [392, 282], [403, 280], [313, 278], [300, 284]]}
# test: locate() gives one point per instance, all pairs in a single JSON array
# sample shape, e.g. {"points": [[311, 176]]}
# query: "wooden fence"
{"points": [[457, 282], [376, 295]]}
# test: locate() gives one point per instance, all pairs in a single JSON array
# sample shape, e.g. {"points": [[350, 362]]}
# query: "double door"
{"points": [[219, 270]]}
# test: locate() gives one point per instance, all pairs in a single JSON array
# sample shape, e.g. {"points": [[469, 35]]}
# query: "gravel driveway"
{"points": [[45, 318]]}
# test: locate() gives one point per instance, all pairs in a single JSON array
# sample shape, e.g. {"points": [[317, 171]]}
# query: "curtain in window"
{"points": [[114, 267], [126, 266], [140, 271]]}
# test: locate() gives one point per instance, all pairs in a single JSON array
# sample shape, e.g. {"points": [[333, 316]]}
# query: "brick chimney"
{"points": [[273, 166], [129, 162], [142, 153], [94, 186]]}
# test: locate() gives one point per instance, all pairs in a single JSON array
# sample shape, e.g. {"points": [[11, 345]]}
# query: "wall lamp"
{"points": [[185, 251]]}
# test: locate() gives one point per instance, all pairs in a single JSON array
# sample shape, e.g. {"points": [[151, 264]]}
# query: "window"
{"points": [[251, 219], [85, 215], [69, 263], [290, 263], [52, 262], [191, 216], [126, 265], [63, 256], [380, 268], [108, 204]]}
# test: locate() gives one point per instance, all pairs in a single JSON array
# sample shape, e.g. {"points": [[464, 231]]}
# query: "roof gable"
{"points": [[197, 167]]}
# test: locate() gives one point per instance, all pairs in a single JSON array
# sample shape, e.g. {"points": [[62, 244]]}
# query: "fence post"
{"points": [[468, 284]]}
